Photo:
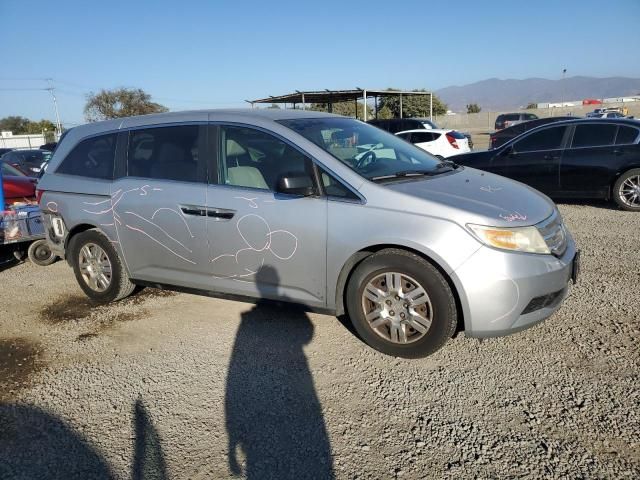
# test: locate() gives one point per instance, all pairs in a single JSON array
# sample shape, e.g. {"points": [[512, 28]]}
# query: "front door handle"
{"points": [[196, 210], [618, 151], [551, 157], [220, 213]]}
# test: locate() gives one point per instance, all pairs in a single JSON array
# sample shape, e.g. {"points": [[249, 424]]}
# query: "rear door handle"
{"points": [[618, 151], [220, 213], [551, 157]]}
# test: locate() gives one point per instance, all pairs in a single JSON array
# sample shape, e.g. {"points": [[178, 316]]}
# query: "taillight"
{"points": [[452, 141], [39, 195]]}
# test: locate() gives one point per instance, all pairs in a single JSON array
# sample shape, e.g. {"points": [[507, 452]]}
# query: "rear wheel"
{"points": [[626, 191], [40, 253], [400, 304], [98, 267]]}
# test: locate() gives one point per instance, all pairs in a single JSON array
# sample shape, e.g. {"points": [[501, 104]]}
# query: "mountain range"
{"points": [[496, 94]]}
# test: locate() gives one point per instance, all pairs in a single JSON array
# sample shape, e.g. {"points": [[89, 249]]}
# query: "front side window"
{"points": [[92, 158], [333, 188], [367, 150], [166, 153], [254, 159], [547, 139], [593, 135]]}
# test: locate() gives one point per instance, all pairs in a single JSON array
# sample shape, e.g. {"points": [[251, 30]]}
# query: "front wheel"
{"points": [[98, 267], [626, 191], [400, 304]]}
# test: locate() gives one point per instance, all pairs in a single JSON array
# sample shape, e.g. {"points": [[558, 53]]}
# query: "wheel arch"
{"points": [[355, 259], [81, 227]]}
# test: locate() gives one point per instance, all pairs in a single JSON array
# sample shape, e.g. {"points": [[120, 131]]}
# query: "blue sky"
{"points": [[208, 54]]}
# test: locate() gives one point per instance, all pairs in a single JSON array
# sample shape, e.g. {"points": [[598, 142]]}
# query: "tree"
{"points": [[531, 105], [347, 109], [120, 102], [16, 124], [274, 106], [412, 105], [21, 125], [473, 108]]}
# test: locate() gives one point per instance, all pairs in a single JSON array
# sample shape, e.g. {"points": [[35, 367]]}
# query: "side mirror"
{"points": [[296, 184]]}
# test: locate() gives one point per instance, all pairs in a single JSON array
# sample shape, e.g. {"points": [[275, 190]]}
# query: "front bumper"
{"points": [[504, 292]]}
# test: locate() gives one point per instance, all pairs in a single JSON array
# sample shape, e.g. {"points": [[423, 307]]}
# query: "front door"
{"points": [[535, 159], [158, 206], [262, 243]]}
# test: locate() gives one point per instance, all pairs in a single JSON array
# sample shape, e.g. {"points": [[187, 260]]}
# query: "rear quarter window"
{"points": [[626, 135], [92, 158]]}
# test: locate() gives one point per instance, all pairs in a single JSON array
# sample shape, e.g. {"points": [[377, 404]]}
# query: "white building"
{"points": [[9, 140]]}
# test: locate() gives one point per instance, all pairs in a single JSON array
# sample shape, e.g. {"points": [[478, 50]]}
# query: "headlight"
{"points": [[522, 239]]}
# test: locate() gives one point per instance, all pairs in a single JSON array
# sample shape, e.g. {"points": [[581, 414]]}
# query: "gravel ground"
{"points": [[167, 385]]}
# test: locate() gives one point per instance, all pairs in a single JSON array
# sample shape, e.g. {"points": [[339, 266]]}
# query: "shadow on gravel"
{"points": [[589, 203], [18, 363], [7, 260], [148, 460], [273, 414], [36, 444]]}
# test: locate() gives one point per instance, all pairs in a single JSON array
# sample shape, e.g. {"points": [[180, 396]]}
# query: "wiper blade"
{"points": [[406, 173], [447, 163]]}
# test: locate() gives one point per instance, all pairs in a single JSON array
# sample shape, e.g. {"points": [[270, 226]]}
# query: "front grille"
{"points": [[554, 234], [541, 302]]}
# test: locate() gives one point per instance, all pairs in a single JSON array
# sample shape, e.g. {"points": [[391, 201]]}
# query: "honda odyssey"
{"points": [[349, 219]]}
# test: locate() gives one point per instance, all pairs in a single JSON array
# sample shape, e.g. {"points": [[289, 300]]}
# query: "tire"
{"points": [[40, 253], [628, 183], [414, 272], [89, 252]]}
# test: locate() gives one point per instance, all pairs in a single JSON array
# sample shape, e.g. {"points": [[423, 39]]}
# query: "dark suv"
{"points": [[501, 137], [505, 120]]}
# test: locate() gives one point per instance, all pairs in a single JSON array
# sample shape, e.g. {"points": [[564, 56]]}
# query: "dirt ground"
{"points": [[166, 385]]}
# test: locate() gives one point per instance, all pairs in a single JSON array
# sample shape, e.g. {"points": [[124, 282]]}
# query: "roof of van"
{"points": [[245, 113]]}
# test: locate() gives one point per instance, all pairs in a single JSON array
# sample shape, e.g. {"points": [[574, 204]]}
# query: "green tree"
{"points": [[412, 105], [531, 105], [16, 124], [21, 125], [120, 102], [473, 108], [347, 109], [274, 106]]}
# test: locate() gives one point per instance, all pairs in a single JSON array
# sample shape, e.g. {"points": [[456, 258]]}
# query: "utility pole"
{"points": [[564, 71], [51, 90]]}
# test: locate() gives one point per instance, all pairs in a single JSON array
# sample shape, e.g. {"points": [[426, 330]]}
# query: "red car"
{"points": [[17, 186]]}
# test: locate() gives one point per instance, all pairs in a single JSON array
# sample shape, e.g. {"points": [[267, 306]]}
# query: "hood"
{"points": [[484, 197], [18, 187]]}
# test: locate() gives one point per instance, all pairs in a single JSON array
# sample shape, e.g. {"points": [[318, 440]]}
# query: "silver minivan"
{"points": [[310, 208]]}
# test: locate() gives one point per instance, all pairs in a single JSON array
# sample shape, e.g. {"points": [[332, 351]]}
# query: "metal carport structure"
{"points": [[329, 97]]}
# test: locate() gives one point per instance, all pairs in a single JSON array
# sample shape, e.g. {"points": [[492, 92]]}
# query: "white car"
{"points": [[439, 142]]}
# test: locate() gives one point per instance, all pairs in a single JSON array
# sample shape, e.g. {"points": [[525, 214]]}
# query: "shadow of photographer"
{"points": [[273, 414]]}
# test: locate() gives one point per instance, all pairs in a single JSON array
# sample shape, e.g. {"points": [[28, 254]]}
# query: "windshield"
{"points": [[10, 170], [368, 150]]}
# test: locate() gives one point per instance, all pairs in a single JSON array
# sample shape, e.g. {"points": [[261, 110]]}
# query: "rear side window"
{"points": [[166, 153], [455, 134], [530, 116], [626, 135], [593, 135], [421, 137], [92, 158], [547, 139]]}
